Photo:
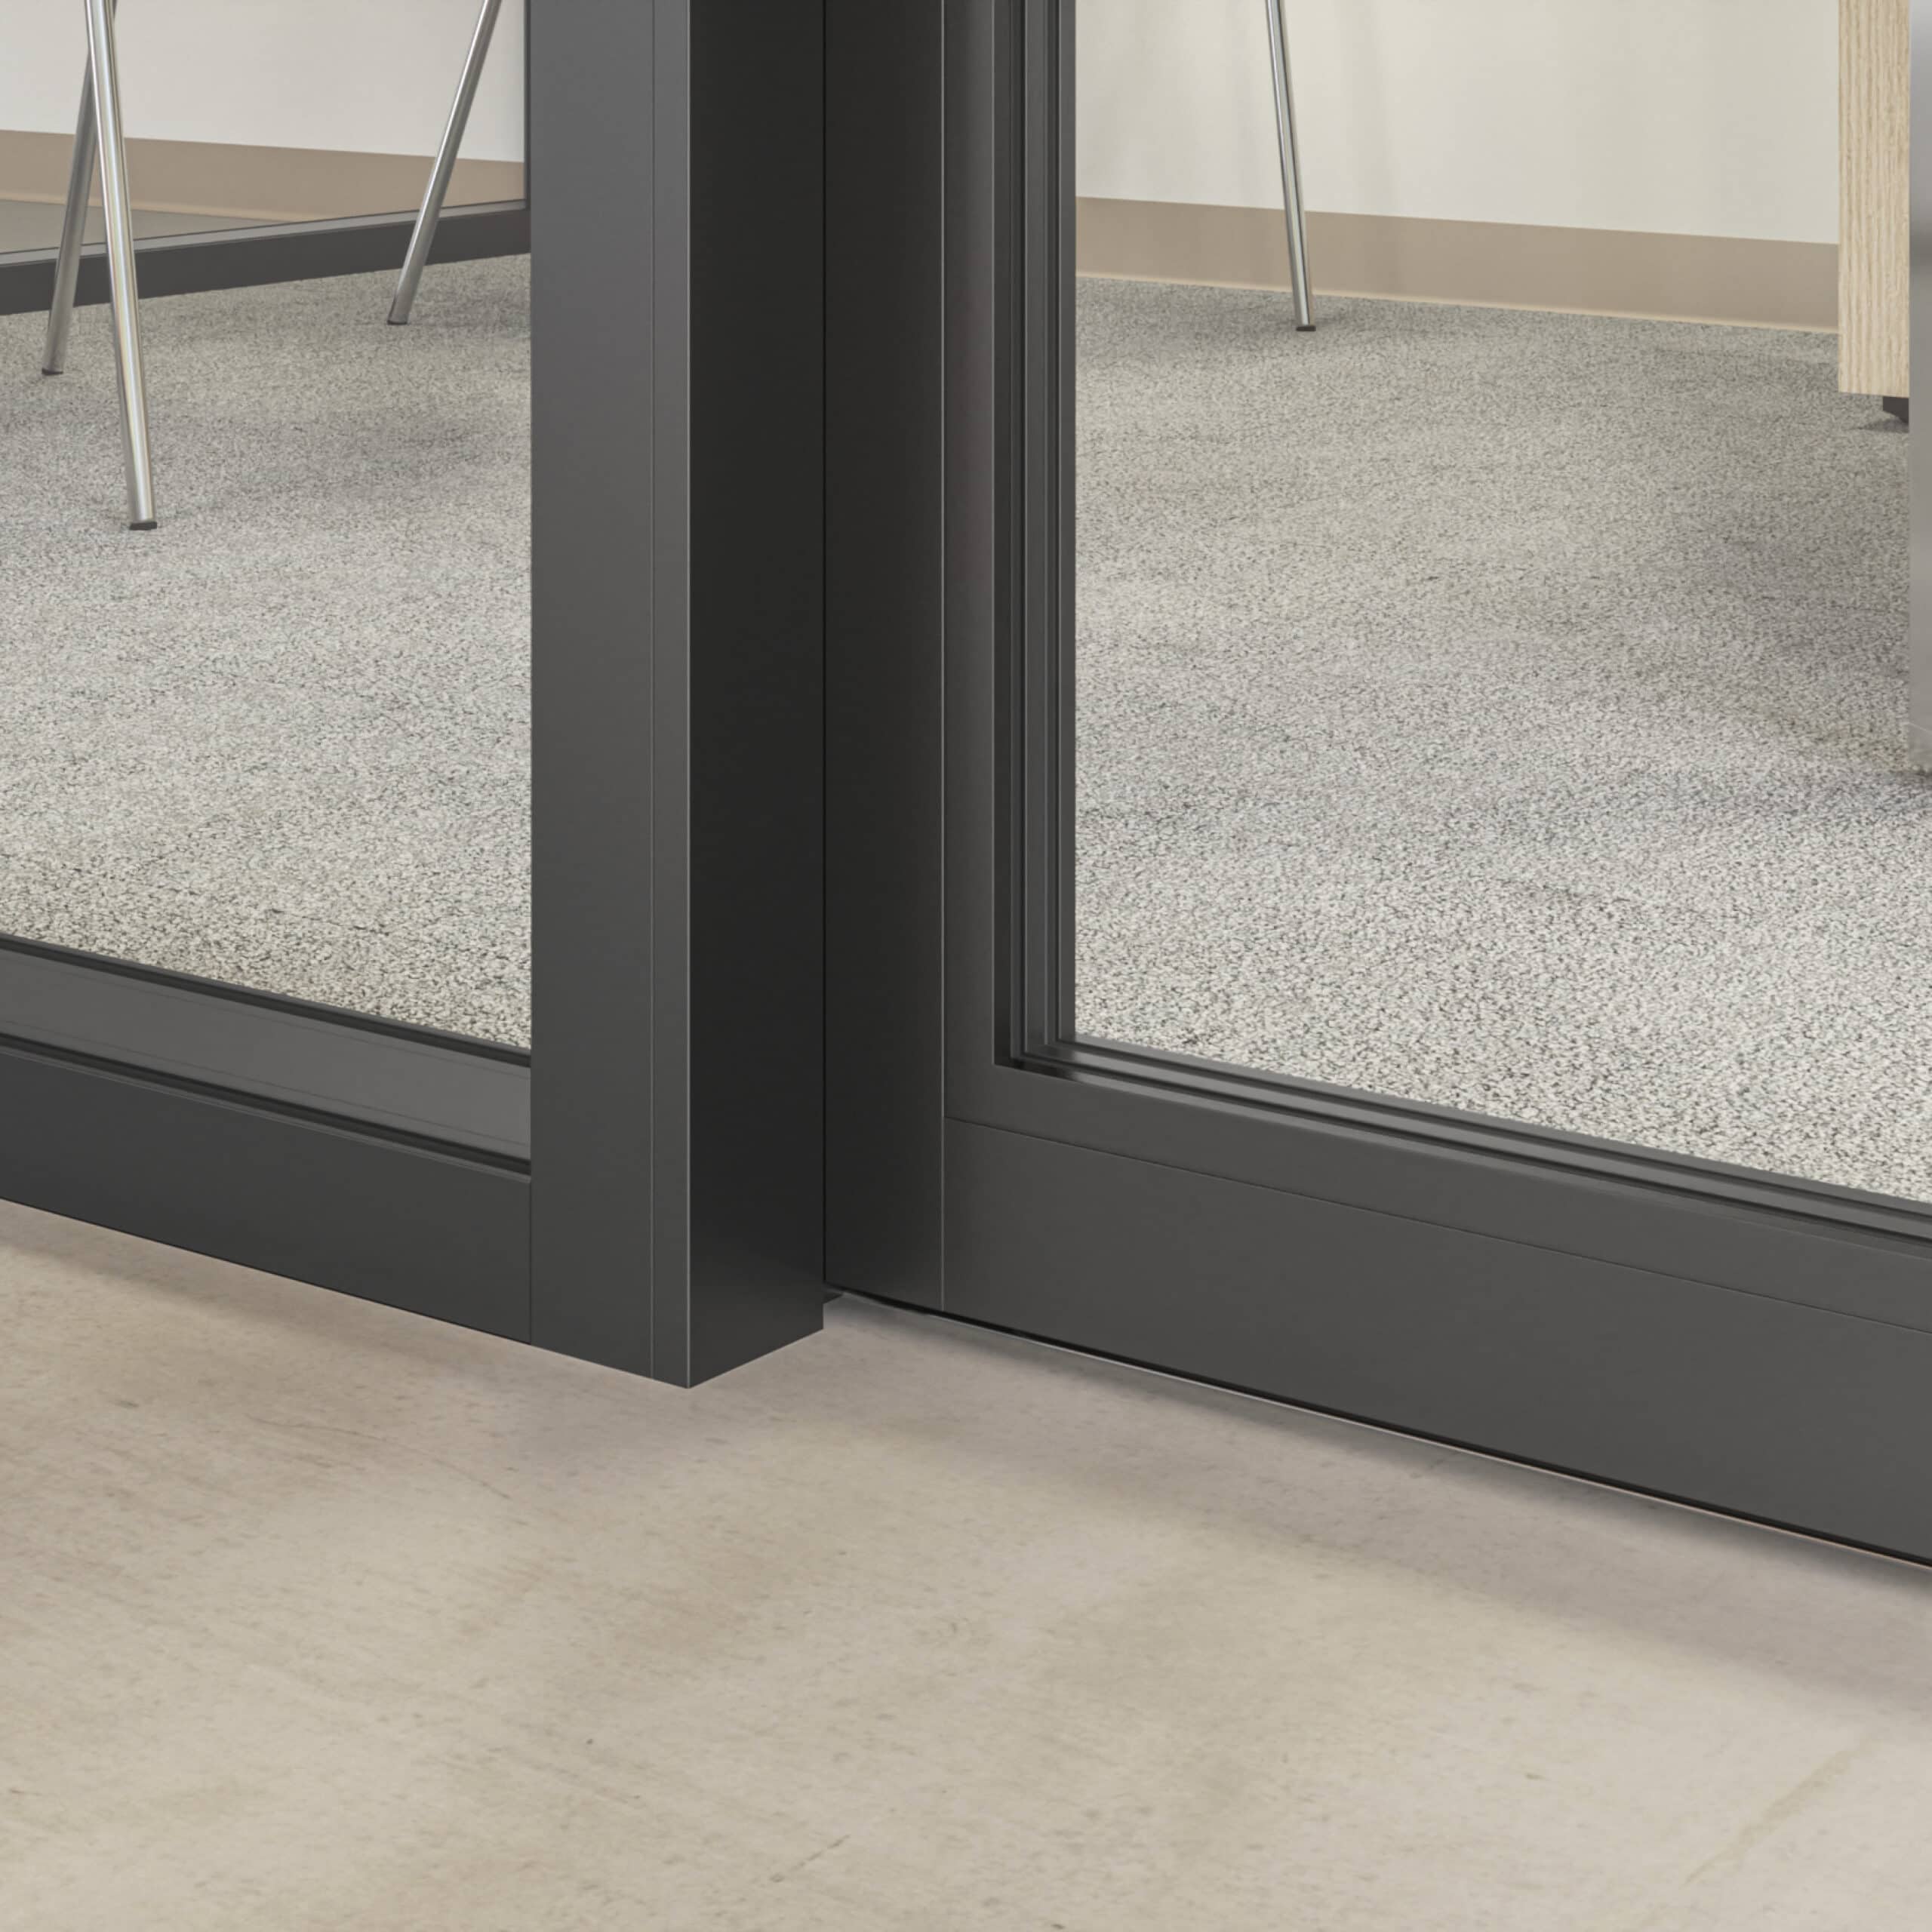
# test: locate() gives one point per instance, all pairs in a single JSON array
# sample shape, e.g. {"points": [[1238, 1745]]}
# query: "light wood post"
{"points": [[1875, 237]]}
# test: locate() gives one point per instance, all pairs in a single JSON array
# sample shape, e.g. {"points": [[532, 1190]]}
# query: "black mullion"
{"points": [[679, 723]]}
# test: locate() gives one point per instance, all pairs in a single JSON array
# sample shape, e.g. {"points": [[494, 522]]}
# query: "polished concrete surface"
{"points": [[318, 1616]]}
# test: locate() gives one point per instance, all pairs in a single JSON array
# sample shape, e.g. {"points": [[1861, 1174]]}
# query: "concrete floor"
{"points": [[318, 1616]]}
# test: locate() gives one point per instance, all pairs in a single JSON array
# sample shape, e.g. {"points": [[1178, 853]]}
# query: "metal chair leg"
{"points": [[1291, 200], [73, 233], [421, 241], [104, 72]]}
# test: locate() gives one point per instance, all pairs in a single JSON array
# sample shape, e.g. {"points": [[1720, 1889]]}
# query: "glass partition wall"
{"points": [[1492, 683], [279, 741], [340, 601], [259, 116]]}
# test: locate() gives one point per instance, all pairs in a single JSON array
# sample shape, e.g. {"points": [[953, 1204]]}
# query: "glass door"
{"points": [[1405, 888]]}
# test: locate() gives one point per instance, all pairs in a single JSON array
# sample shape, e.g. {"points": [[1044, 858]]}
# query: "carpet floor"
{"points": [[1500, 710], [282, 741], [1505, 711]]}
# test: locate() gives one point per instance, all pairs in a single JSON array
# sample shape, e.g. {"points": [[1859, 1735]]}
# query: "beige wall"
{"points": [[270, 184], [362, 76], [1679, 117]]}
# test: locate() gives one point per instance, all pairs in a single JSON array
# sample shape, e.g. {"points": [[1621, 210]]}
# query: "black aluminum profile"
{"points": [[679, 852], [1748, 1344], [440, 1231], [404, 1080]]}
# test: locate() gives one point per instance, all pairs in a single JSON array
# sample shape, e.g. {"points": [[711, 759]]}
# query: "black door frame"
{"points": [[1703, 1332], [676, 768]]}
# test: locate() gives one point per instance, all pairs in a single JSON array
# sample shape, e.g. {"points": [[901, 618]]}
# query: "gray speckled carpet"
{"points": [[282, 741], [1505, 711], [1495, 709]]}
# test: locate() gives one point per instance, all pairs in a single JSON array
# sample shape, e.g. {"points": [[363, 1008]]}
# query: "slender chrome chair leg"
{"points": [[121, 279], [1291, 200], [424, 238], [73, 233]]}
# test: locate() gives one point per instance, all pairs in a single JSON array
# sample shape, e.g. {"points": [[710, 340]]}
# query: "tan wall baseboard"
{"points": [[264, 184], [1484, 264]]}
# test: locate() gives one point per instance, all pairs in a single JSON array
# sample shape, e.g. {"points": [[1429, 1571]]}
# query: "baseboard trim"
{"points": [[252, 257], [1486, 264], [259, 183]]}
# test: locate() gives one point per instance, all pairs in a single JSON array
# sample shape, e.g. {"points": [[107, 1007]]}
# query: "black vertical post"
{"points": [[677, 1158], [886, 458]]}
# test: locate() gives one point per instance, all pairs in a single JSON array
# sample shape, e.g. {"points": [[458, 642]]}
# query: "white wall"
{"points": [[1695, 117], [1687, 117], [372, 76]]}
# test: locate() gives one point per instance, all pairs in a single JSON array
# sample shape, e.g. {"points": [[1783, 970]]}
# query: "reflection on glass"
{"points": [[281, 740], [1497, 698], [281, 112]]}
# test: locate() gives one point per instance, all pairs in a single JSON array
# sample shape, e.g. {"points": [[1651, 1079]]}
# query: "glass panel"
{"points": [[279, 741], [239, 115], [1497, 697]]}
